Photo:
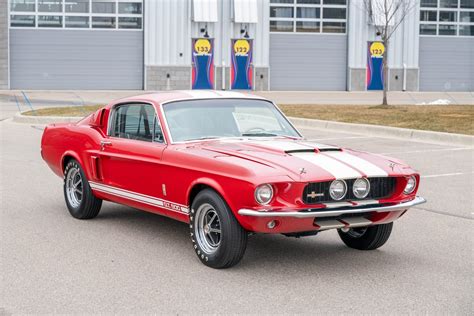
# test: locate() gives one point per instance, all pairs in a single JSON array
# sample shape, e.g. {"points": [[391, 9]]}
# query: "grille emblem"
{"points": [[313, 194]]}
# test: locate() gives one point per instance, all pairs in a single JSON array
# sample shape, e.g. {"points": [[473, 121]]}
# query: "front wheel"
{"points": [[366, 238], [218, 239]]}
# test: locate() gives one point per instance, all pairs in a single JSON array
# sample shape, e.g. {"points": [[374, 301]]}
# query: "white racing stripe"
{"points": [[281, 145], [146, 199], [334, 167], [363, 165]]}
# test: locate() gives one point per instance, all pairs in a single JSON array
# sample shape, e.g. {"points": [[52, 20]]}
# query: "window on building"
{"points": [[429, 3], [103, 22], [312, 27], [281, 12], [50, 5], [50, 21], [22, 20], [466, 30], [130, 23], [431, 16], [308, 16], [467, 4], [83, 14], [77, 22], [428, 29], [448, 3], [22, 6], [103, 6], [77, 6], [281, 26], [447, 17], [467, 17], [130, 7]]}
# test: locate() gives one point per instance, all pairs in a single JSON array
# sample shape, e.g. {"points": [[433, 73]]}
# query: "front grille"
{"points": [[379, 188]]}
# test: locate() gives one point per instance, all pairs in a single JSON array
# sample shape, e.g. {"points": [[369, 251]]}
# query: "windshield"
{"points": [[215, 118]]}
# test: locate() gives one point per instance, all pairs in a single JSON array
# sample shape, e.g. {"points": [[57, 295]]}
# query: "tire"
{"points": [[367, 238], [80, 201], [217, 237]]}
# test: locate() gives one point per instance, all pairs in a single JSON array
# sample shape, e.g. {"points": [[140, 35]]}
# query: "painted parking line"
{"points": [[427, 151], [337, 138], [446, 175]]}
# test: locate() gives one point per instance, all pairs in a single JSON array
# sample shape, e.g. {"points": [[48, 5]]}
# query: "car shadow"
{"points": [[267, 253]]}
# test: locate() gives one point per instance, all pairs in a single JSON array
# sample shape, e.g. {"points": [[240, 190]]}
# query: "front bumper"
{"points": [[291, 221], [333, 212]]}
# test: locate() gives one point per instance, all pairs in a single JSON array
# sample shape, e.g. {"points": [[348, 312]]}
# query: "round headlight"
{"points": [[338, 189], [264, 194], [411, 184], [361, 188]]}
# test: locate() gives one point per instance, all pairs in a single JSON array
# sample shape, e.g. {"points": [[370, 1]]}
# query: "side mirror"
{"points": [[98, 119]]}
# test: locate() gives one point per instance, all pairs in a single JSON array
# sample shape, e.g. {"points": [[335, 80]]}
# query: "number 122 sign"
{"points": [[241, 68]]}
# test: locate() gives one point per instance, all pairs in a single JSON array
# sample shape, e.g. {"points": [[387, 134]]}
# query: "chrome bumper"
{"points": [[333, 212]]}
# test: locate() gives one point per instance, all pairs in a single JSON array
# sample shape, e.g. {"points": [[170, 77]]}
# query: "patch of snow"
{"points": [[436, 102]]}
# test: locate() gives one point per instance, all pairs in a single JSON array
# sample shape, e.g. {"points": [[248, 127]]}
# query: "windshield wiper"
{"points": [[262, 134], [204, 137]]}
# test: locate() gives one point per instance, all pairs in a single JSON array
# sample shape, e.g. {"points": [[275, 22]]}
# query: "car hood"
{"points": [[304, 160]]}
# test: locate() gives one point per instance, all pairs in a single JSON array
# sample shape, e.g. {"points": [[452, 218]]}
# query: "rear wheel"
{"points": [[366, 238], [218, 239], [80, 200]]}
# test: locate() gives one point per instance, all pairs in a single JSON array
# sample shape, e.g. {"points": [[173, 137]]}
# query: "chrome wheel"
{"points": [[74, 187], [208, 228]]}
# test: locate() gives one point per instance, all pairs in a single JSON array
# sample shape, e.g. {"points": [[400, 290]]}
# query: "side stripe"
{"points": [[334, 167], [137, 197], [366, 167]]}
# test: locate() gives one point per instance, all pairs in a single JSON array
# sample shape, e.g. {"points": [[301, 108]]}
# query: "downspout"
{"points": [[404, 83], [222, 47]]}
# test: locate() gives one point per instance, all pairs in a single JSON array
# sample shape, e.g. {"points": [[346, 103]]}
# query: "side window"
{"points": [[134, 121]]}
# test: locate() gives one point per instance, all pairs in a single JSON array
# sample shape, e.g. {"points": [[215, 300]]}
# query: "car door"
{"points": [[130, 155]]}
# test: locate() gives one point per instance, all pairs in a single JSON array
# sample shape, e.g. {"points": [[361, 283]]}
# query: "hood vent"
{"points": [[293, 151], [329, 149], [310, 150]]}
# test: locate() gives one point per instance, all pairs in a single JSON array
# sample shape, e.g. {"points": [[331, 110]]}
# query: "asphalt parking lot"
{"points": [[128, 261]]}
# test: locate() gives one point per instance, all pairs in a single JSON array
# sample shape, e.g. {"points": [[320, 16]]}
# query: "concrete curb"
{"points": [[363, 129], [42, 120], [387, 131]]}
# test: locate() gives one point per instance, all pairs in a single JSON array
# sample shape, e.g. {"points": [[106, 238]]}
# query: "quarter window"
{"points": [[447, 17], [308, 16], [136, 122]]}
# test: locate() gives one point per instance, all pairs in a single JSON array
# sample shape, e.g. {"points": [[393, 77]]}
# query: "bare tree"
{"points": [[386, 16]]}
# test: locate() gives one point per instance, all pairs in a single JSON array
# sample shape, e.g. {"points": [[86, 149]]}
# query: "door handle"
{"points": [[104, 143]]}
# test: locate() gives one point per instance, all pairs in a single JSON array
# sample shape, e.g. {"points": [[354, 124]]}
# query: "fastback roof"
{"points": [[162, 97]]}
